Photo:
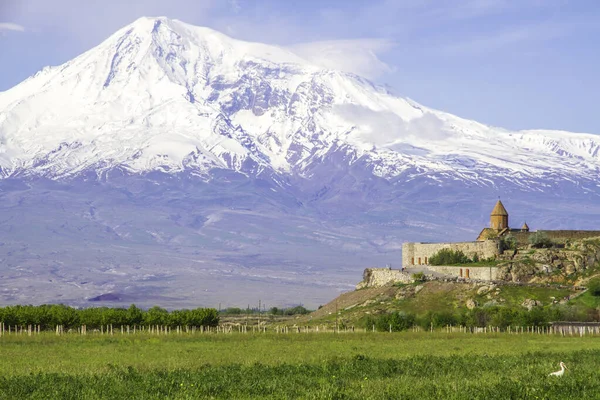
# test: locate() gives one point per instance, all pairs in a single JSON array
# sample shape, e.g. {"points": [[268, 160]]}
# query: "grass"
{"points": [[321, 366], [434, 296], [587, 300], [515, 295]]}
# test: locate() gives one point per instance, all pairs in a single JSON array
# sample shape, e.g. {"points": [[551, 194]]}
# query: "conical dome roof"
{"points": [[499, 209], [525, 227]]}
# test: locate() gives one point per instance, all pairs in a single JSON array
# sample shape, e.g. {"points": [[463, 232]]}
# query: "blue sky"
{"points": [[518, 64]]}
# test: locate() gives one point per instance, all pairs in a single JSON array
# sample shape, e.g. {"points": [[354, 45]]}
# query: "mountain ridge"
{"points": [[226, 103]]}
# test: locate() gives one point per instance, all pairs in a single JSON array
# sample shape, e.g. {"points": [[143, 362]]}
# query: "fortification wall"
{"points": [[558, 236], [479, 273], [375, 277], [419, 253], [563, 236], [522, 238]]}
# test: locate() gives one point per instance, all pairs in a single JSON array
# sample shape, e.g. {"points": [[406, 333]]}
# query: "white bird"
{"points": [[562, 370]]}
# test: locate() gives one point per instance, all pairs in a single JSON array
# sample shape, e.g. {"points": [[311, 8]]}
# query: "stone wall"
{"points": [[419, 253], [479, 273], [557, 236], [563, 236], [376, 277]]}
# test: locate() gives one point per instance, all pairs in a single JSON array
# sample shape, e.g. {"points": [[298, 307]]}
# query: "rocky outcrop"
{"points": [[530, 303], [551, 264], [471, 304], [377, 277]]}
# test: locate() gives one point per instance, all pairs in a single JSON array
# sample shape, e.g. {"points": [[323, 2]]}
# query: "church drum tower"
{"points": [[499, 217]]}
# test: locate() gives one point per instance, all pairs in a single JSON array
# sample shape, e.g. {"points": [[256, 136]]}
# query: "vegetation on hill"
{"points": [[440, 303], [497, 317]]}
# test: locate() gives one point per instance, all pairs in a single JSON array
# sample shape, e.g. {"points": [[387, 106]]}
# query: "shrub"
{"points": [[508, 242], [540, 240], [298, 310], [448, 257], [594, 287], [231, 311], [418, 277], [398, 321]]}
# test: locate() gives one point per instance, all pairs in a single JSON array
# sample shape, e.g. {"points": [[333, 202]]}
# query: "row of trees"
{"points": [[297, 310], [48, 316], [501, 317]]}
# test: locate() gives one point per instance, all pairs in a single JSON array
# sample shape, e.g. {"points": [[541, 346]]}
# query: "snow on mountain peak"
{"points": [[163, 94]]}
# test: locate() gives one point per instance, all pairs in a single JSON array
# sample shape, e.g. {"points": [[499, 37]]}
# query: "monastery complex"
{"points": [[487, 244]]}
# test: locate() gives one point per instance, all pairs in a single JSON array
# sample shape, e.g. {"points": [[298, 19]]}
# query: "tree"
{"points": [[156, 316], [449, 257], [135, 315]]}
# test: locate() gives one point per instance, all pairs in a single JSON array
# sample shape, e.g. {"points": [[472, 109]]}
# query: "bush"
{"points": [[540, 240], [418, 277], [398, 321], [594, 287], [231, 311], [449, 257], [298, 310], [508, 242]]}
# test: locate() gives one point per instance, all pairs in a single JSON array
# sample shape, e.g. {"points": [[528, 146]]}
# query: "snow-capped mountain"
{"points": [[171, 160], [163, 95]]}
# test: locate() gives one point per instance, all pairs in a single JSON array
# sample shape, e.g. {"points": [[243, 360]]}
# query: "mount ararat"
{"points": [[174, 165]]}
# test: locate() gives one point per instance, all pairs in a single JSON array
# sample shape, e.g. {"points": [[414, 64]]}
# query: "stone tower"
{"points": [[499, 217]]}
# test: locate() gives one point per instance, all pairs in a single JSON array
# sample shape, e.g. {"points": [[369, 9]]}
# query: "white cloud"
{"points": [[387, 129], [9, 26], [356, 56]]}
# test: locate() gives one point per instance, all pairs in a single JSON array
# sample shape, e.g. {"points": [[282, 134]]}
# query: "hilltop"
{"points": [[551, 282]]}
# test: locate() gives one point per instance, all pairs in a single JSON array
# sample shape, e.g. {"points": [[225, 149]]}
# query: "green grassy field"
{"points": [[405, 365]]}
